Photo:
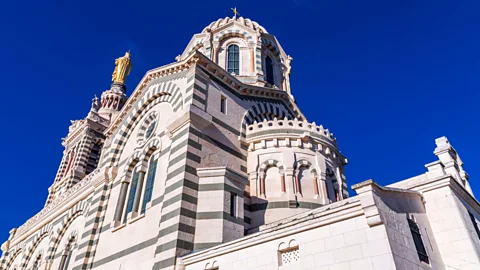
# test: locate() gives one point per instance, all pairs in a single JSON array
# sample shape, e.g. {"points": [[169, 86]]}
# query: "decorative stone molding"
{"points": [[260, 130], [222, 171]]}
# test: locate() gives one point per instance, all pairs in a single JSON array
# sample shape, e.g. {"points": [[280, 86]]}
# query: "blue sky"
{"points": [[387, 77]]}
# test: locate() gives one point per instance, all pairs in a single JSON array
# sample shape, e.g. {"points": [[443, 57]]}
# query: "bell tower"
{"points": [[84, 142]]}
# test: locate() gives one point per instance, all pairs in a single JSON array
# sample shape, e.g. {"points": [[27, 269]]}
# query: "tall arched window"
{"points": [[67, 254], [233, 59], [269, 70]]}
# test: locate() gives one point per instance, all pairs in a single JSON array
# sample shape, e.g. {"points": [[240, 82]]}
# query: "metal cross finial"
{"points": [[235, 12]]}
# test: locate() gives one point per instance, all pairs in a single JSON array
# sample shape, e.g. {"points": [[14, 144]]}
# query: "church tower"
{"points": [[85, 138], [114, 98]]}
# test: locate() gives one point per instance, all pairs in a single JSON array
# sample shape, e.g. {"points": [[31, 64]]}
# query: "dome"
{"points": [[245, 22]]}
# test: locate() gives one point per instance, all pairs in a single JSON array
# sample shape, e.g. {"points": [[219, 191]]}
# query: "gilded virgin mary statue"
{"points": [[123, 65]]}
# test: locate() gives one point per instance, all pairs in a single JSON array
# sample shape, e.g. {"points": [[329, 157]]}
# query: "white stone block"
{"points": [[355, 238], [348, 254]]}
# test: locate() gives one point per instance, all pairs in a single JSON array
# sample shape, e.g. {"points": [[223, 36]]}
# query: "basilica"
{"points": [[210, 164]]}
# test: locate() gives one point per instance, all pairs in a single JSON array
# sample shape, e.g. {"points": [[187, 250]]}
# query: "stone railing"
{"points": [[63, 197], [288, 126]]}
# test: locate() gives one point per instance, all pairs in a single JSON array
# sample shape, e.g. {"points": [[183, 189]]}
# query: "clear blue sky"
{"points": [[387, 77]]}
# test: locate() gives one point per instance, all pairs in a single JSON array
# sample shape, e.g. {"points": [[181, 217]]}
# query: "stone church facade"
{"points": [[210, 164]]}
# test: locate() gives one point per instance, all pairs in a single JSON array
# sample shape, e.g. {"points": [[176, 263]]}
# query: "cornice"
{"points": [[245, 89]]}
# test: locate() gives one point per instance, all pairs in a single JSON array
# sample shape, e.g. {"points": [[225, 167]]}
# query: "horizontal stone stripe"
{"points": [[97, 209], [157, 200], [95, 219], [177, 243], [176, 227], [178, 212], [87, 243], [200, 88], [198, 98], [224, 147], [177, 159], [225, 126], [164, 263], [188, 99], [125, 252], [191, 156], [95, 230], [220, 186], [180, 197], [185, 168], [181, 183], [198, 246], [247, 220], [201, 79], [219, 215], [190, 78], [243, 168], [185, 143]]}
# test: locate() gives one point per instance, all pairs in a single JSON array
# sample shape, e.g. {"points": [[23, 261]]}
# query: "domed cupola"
{"points": [[244, 49]]}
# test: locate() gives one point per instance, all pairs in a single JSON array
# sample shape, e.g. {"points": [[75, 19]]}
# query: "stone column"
{"points": [[121, 202], [297, 184], [282, 182], [323, 189], [315, 186], [340, 184], [290, 184], [262, 185]]}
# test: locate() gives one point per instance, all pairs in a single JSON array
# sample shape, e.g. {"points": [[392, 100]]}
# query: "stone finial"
{"points": [[442, 145], [450, 162]]}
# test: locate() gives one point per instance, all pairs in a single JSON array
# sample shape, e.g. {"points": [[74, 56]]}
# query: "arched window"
{"points": [[67, 254], [233, 59], [269, 70], [147, 197]]}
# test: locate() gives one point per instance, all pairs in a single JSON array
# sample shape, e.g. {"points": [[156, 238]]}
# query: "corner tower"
{"points": [[246, 50]]}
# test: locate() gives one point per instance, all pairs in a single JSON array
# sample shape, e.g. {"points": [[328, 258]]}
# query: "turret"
{"points": [[292, 166]]}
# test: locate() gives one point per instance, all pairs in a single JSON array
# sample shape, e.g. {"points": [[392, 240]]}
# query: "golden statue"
{"points": [[123, 65]]}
